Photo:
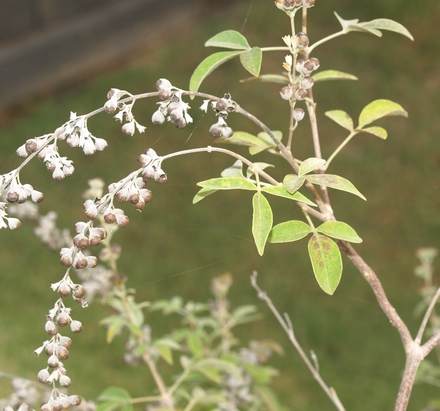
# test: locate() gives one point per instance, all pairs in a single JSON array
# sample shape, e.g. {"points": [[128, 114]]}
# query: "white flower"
{"points": [[288, 62], [204, 106]]}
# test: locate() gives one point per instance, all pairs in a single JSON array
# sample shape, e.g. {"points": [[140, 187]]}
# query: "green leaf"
{"points": [[354, 25], [341, 117], [114, 326], [310, 164], [266, 142], [262, 220], [208, 65], [203, 193], [292, 182], [218, 364], [166, 354], [378, 109], [336, 182], [289, 231], [195, 345], [386, 24], [251, 60], [326, 262], [326, 75], [229, 39], [241, 138], [267, 78], [268, 398], [229, 183], [339, 230], [280, 191], [115, 397], [236, 170], [262, 166], [376, 131], [243, 314]]}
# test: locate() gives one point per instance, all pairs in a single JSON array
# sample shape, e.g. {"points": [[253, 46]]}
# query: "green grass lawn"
{"points": [[175, 247]]}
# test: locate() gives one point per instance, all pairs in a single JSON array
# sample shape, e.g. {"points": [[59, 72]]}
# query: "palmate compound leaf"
{"points": [[208, 65], [262, 220], [336, 182], [326, 262], [378, 109], [339, 230], [289, 231]]}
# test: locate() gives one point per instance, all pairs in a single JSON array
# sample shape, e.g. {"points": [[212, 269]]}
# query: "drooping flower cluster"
{"points": [[171, 107], [57, 347], [124, 114], [222, 108]]}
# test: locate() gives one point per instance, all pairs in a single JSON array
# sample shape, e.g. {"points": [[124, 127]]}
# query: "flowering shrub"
{"points": [[216, 371]]}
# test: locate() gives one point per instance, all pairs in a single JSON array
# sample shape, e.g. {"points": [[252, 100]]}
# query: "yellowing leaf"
{"points": [[326, 262], [378, 109], [228, 183], [341, 117]]}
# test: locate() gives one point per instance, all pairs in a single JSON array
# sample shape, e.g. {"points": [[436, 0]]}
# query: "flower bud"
{"points": [[298, 114], [300, 94], [302, 40], [81, 241], [62, 353], [158, 118], [50, 327], [227, 132], [63, 319], [21, 151], [64, 289], [128, 128], [31, 145], [43, 375], [65, 381], [111, 105], [75, 399], [308, 3], [79, 291], [53, 361], [286, 92], [76, 326], [65, 341], [215, 130], [307, 83]]}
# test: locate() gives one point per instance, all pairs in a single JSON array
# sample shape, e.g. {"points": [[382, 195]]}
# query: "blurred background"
{"points": [[60, 57]]}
